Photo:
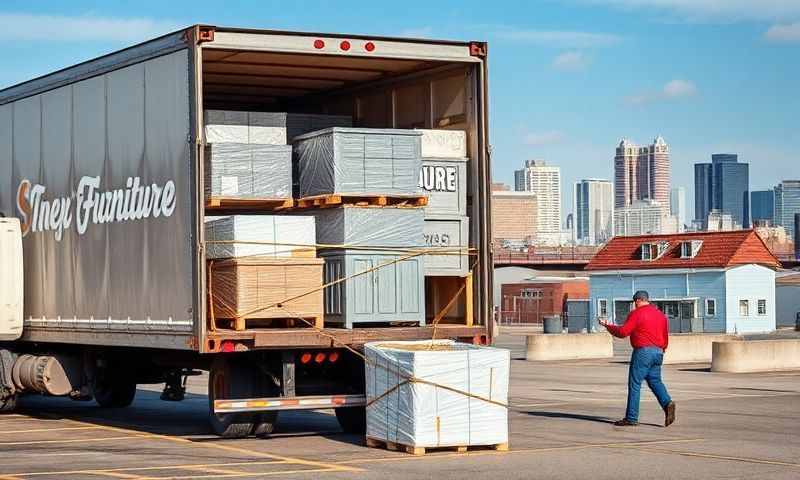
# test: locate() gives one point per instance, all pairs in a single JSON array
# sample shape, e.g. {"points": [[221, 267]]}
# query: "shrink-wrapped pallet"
{"points": [[241, 170], [238, 236], [443, 143], [448, 240], [437, 394], [444, 181], [226, 126], [370, 226], [252, 289], [358, 161], [301, 123]]}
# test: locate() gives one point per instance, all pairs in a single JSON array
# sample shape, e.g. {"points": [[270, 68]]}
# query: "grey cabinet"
{"points": [[444, 181], [451, 235], [390, 291]]}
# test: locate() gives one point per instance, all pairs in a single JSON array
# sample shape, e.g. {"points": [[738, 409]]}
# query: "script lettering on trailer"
{"points": [[89, 204]]}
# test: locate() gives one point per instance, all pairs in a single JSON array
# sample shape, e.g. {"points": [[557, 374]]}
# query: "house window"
{"points": [[744, 308], [602, 307], [711, 307], [762, 306], [652, 251], [690, 248]]}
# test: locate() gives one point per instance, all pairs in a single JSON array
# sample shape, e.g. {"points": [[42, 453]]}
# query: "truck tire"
{"points": [[113, 389], [352, 419], [231, 378], [8, 404]]}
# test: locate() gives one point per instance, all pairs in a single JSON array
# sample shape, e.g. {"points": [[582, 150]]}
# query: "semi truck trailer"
{"points": [[103, 277]]}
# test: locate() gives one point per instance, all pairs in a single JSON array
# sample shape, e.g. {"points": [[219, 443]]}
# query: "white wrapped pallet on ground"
{"points": [[437, 394]]}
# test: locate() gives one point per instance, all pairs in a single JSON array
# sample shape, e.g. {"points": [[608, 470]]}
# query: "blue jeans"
{"points": [[645, 365]]}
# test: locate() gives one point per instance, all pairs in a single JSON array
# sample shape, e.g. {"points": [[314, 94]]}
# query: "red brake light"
{"points": [[369, 46], [345, 45], [319, 358], [333, 356], [227, 346], [305, 358], [318, 44]]}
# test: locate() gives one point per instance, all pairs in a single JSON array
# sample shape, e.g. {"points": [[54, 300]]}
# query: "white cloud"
{"points": [[420, 32], [679, 88], [537, 139], [571, 61], [672, 90], [555, 38], [711, 11], [27, 26], [789, 32]]}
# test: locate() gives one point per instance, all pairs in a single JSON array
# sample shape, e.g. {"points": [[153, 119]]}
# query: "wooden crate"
{"points": [[448, 300], [262, 292]]}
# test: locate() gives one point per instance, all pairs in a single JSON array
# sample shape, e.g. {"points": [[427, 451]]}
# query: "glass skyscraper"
{"points": [[724, 185], [787, 203], [762, 205]]}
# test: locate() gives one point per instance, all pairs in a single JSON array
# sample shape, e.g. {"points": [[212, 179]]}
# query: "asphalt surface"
{"points": [[729, 426]]}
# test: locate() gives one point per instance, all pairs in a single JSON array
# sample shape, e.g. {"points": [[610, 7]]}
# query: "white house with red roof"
{"points": [[703, 282]]}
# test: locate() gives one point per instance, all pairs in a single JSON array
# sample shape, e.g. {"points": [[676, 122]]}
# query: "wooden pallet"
{"points": [[263, 204], [337, 199], [393, 446], [240, 324]]}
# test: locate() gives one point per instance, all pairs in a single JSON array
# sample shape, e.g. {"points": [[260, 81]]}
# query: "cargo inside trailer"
{"points": [[376, 93]]}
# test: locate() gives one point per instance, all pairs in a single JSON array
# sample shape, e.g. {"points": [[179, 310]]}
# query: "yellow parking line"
{"points": [[243, 474], [477, 453], [221, 446], [117, 475], [104, 471], [219, 471], [60, 429], [77, 440], [718, 457]]}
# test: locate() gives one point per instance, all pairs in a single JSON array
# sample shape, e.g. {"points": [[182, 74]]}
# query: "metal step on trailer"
{"points": [[311, 402]]}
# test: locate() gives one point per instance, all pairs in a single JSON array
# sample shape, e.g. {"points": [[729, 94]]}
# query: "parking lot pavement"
{"points": [[729, 426]]}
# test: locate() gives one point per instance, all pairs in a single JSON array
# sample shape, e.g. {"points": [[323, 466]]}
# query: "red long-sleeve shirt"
{"points": [[646, 326]]}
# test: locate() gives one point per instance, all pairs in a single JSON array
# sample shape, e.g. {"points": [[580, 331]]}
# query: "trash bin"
{"points": [[553, 324]]}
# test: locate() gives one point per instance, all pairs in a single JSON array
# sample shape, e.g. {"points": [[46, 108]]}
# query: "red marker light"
{"points": [[318, 44], [369, 46], [305, 358], [345, 45], [227, 346], [319, 358], [333, 357]]}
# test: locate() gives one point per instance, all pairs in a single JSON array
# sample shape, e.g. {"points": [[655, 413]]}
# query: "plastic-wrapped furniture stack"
{"points": [[443, 176], [385, 282], [436, 394], [262, 270]]}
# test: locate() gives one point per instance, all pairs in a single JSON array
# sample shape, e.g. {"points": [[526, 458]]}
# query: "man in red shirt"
{"points": [[649, 332]]}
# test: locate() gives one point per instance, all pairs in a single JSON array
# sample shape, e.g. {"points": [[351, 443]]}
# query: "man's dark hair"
{"points": [[641, 295]]}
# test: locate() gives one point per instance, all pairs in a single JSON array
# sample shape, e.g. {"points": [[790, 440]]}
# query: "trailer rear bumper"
{"points": [[288, 403]]}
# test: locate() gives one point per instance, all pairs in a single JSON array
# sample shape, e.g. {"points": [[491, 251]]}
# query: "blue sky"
{"points": [[568, 78]]}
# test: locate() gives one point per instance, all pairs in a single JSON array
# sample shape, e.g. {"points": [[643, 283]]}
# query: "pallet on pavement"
{"points": [[414, 450]]}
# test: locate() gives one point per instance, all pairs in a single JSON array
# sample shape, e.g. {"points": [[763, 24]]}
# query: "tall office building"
{"points": [[677, 206], [762, 206], [787, 204], [724, 185], [641, 173], [643, 217], [594, 211], [544, 181]]}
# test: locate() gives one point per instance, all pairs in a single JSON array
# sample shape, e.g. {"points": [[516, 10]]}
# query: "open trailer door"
{"points": [[11, 295]]}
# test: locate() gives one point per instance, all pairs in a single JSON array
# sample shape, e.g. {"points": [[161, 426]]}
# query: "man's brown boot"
{"points": [[669, 414]]}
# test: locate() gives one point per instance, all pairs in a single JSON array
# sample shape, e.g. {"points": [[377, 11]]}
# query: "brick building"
{"points": [[528, 302], [513, 217]]}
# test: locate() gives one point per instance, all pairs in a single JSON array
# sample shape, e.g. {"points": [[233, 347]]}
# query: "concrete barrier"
{"points": [[755, 356], [693, 347], [568, 346]]}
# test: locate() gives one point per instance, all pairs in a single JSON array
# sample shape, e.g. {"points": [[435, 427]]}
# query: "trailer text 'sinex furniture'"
{"points": [[103, 164]]}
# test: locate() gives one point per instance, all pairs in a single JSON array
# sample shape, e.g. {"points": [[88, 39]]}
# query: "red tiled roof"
{"points": [[719, 250]]}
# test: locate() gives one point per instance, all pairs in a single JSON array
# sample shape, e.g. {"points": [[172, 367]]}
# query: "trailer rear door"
{"points": [[10, 279]]}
